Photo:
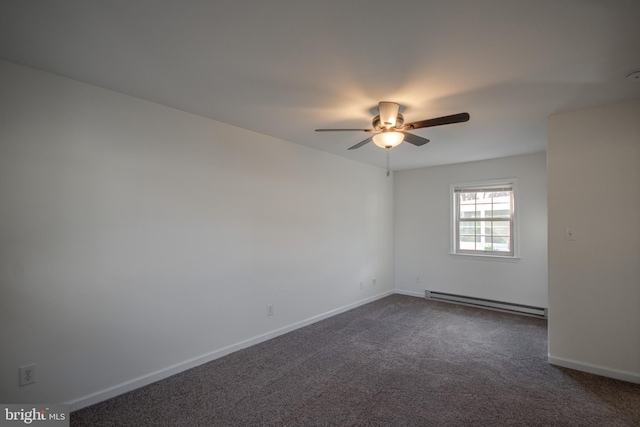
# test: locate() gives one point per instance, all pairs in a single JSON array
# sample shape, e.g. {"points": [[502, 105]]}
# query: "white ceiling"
{"points": [[286, 67]]}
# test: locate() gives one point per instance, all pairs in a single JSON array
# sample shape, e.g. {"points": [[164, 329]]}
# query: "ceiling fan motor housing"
{"points": [[377, 125]]}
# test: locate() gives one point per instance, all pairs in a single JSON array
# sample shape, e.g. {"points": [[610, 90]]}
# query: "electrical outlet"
{"points": [[27, 374], [373, 282], [417, 279], [269, 309], [361, 285]]}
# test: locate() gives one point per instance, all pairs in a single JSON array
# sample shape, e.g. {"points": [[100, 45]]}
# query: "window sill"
{"points": [[486, 257]]}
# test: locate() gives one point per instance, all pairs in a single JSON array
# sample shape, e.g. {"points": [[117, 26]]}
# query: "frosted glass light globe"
{"points": [[388, 139]]}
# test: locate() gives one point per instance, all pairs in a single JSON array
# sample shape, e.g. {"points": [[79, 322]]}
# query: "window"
{"points": [[484, 218]]}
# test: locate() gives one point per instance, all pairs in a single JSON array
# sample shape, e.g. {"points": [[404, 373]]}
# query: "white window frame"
{"points": [[497, 183]]}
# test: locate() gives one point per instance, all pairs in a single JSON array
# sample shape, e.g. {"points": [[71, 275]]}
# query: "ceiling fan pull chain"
{"points": [[388, 172]]}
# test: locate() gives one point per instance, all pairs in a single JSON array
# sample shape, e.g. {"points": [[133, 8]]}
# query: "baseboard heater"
{"points": [[526, 310]]}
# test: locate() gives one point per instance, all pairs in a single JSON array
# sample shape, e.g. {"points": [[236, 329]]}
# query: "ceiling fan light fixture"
{"points": [[388, 139], [388, 114]]}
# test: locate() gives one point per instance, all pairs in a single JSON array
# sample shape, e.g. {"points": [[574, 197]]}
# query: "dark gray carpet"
{"points": [[399, 361]]}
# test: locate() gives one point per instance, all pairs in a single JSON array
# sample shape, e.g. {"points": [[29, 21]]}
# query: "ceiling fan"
{"points": [[390, 129]]}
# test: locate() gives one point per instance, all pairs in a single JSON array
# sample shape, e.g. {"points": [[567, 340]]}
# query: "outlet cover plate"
{"points": [[27, 374]]}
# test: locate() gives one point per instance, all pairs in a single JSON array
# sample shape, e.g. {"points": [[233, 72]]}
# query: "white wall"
{"points": [[137, 240], [594, 281], [422, 233]]}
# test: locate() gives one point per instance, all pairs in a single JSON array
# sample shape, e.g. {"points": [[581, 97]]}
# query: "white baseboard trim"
{"points": [[108, 393], [632, 377], [410, 293]]}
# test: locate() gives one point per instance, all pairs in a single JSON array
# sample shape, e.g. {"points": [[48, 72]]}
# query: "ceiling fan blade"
{"points": [[388, 113], [345, 130], [439, 121], [414, 139], [360, 144]]}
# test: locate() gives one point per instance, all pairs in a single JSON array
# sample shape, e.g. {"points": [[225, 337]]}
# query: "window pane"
{"points": [[467, 198], [502, 210], [501, 228], [501, 240], [468, 211], [501, 244], [484, 210], [483, 243], [502, 196], [467, 243], [467, 227]]}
